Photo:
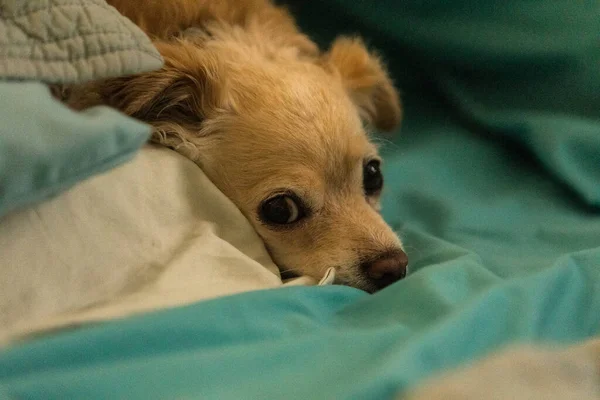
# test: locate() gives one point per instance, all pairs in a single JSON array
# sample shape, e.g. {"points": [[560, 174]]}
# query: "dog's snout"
{"points": [[387, 269]]}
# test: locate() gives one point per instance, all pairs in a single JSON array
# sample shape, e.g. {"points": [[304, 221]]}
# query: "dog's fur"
{"points": [[263, 111]]}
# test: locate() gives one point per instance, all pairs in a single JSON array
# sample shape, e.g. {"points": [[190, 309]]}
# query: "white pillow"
{"points": [[151, 234]]}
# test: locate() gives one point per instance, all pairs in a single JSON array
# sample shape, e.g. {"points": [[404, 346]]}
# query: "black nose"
{"points": [[386, 268]]}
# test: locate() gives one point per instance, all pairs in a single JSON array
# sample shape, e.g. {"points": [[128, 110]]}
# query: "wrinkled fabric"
{"points": [[70, 41], [151, 234], [46, 148], [492, 184]]}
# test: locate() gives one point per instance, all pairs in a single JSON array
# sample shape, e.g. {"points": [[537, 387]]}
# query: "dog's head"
{"points": [[283, 136]]}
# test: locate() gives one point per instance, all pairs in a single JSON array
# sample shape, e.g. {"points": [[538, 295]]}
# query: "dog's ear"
{"points": [[175, 99], [366, 81], [187, 89]]}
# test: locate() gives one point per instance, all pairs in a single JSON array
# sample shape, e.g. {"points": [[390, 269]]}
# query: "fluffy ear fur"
{"points": [[175, 99], [367, 82]]}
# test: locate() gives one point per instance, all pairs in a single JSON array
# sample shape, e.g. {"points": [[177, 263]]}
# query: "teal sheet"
{"points": [[494, 185]]}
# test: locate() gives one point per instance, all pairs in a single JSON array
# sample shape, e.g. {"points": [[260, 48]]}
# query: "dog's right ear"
{"points": [[175, 99]]}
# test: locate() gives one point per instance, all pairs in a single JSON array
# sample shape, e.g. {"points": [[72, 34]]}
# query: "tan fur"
{"points": [[254, 102]]}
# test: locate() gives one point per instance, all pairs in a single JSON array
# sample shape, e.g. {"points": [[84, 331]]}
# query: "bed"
{"points": [[493, 183]]}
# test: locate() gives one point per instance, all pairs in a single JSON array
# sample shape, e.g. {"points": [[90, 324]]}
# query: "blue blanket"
{"points": [[494, 184]]}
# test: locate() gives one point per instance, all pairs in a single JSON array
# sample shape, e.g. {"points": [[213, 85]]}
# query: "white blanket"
{"points": [[151, 234]]}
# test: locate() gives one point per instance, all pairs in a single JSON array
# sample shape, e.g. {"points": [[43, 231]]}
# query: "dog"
{"points": [[278, 125]]}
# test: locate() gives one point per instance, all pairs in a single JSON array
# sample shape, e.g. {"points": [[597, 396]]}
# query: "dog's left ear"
{"points": [[367, 82]]}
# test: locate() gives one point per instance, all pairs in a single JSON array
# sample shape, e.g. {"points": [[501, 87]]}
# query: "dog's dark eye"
{"points": [[372, 177], [281, 210]]}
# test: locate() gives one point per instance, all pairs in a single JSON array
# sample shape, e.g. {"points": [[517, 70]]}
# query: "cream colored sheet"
{"points": [[151, 234]]}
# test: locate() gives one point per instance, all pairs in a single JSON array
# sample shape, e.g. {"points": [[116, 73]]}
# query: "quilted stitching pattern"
{"points": [[70, 41]]}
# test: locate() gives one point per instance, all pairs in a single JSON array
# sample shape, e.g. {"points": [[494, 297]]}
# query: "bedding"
{"points": [[151, 234], [44, 147], [70, 41], [492, 184]]}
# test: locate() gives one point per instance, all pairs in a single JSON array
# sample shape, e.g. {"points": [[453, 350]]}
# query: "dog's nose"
{"points": [[387, 269]]}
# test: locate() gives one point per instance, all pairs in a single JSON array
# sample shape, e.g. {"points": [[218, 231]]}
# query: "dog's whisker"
{"points": [[388, 143], [413, 249], [286, 271]]}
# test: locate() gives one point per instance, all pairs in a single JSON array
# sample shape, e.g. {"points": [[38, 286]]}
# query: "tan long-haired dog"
{"points": [[276, 124]]}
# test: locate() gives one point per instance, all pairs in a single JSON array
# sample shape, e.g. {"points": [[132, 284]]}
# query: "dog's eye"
{"points": [[372, 177], [281, 210]]}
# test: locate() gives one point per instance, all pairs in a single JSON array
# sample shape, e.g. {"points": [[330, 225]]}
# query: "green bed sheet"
{"points": [[493, 182]]}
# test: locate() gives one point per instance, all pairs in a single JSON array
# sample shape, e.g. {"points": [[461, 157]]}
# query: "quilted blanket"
{"points": [[70, 41]]}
